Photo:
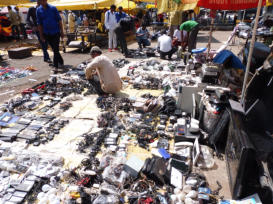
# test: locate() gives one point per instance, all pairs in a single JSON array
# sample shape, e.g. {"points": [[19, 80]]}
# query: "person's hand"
{"points": [[62, 35]]}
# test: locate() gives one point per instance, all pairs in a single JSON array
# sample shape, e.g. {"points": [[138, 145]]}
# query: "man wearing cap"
{"points": [[102, 74]]}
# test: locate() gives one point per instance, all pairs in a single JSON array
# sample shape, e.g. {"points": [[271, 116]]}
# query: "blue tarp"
{"points": [[225, 55]]}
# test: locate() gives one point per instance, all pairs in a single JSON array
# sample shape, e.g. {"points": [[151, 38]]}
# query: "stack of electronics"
{"points": [[210, 73], [250, 141]]}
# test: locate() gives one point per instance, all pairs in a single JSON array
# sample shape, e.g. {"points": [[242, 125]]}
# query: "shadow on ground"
{"points": [[205, 39], [4, 63]]}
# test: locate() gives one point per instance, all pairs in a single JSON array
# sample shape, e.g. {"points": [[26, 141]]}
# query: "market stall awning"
{"points": [[229, 4], [148, 6], [145, 1], [269, 2], [125, 4], [172, 6], [79, 4], [12, 2]]}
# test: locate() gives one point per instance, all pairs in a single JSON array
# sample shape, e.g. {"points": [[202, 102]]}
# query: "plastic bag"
{"points": [[205, 159], [108, 188], [106, 199], [114, 174], [106, 161]]}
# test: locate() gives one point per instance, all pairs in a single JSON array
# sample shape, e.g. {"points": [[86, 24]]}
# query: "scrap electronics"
{"points": [[144, 149]]}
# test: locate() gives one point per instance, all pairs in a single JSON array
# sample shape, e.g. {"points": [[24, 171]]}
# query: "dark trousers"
{"points": [[143, 42], [23, 30], [15, 31], [96, 84], [44, 46], [54, 41], [122, 40], [193, 38], [170, 53]]}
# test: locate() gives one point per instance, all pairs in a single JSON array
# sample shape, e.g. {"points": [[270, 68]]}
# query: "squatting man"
{"points": [[102, 74]]}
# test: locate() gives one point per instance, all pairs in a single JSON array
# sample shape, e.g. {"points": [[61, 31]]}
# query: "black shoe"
{"points": [[128, 55], [48, 61]]}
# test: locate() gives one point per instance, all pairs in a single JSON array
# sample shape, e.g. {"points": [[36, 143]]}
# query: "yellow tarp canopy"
{"points": [[12, 2], [145, 1], [171, 6], [148, 6], [79, 4], [124, 4]]}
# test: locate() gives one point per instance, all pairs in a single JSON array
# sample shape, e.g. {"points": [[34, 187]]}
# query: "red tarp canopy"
{"points": [[229, 4]]}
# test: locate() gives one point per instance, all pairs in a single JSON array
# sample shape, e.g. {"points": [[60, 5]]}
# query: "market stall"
{"points": [[75, 146], [79, 4], [233, 5], [13, 2], [172, 6], [168, 136]]}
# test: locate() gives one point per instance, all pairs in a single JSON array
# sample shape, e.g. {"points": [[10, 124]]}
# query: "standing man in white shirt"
{"points": [[164, 45], [110, 25]]}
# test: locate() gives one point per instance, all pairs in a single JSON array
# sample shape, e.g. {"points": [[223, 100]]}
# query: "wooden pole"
{"points": [[210, 35], [251, 51], [244, 14]]}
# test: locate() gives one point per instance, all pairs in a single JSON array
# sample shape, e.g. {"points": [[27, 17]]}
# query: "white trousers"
{"points": [[112, 43]]}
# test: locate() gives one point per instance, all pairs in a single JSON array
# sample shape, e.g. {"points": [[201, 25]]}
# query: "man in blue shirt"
{"points": [[32, 21], [51, 29], [120, 14]]}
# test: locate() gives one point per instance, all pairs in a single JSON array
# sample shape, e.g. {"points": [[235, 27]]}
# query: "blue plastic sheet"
{"points": [[225, 55]]}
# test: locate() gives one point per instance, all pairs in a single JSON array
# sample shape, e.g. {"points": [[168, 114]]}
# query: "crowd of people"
{"points": [[49, 25], [17, 22]]}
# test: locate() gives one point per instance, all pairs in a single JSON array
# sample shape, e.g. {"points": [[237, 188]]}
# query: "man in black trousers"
{"points": [[51, 29], [125, 24]]}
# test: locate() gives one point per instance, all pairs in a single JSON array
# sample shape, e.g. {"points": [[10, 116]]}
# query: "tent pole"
{"points": [[210, 35], [244, 14], [251, 50]]}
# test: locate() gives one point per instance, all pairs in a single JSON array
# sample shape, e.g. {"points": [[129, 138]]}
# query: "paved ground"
{"points": [[74, 58]]}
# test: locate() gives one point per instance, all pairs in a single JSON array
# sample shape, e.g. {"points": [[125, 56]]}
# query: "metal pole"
{"points": [[251, 50], [244, 14], [210, 35]]}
